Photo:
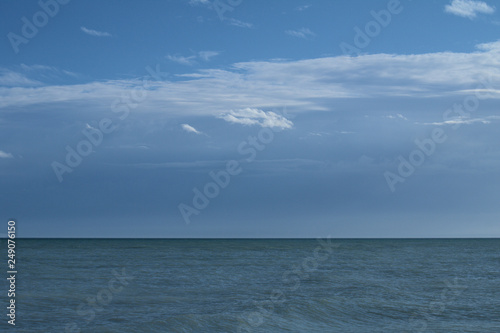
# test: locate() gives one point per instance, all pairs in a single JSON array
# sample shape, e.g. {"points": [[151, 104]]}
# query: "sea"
{"points": [[254, 285]]}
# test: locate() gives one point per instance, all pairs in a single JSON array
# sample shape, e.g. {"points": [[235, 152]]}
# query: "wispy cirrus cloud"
{"points": [[464, 121], [31, 75], [468, 8], [207, 55], [241, 24], [189, 61], [5, 155], [303, 85], [192, 60], [397, 116], [43, 71], [302, 8], [96, 33], [249, 116], [301, 33], [199, 2], [15, 79]]}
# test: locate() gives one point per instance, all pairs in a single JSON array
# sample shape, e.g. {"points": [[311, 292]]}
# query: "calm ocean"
{"points": [[83, 285]]}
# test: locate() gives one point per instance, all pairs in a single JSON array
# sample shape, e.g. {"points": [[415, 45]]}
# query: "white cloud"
{"points": [[494, 46], [190, 129], [300, 33], [5, 155], [25, 76], [45, 71], [14, 79], [318, 133], [397, 116], [37, 68], [199, 2], [301, 8], [95, 32], [303, 85], [468, 8], [206, 55], [464, 121], [191, 60], [241, 24], [249, 116], [182, 60]]}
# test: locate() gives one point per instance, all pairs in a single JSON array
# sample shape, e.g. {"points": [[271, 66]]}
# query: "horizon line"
{"points": [[256, 238]]}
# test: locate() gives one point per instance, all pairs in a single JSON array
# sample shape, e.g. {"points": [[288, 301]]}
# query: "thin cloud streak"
{"points": [[191, 60], [241, 24], [301, 33], [96, 33], [182, 60], [464, 121]]}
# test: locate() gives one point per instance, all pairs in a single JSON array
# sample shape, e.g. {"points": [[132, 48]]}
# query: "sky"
{"points": [[238, 118]]}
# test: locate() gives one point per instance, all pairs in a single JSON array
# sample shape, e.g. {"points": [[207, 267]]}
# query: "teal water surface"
{"points": [[215, 285]]}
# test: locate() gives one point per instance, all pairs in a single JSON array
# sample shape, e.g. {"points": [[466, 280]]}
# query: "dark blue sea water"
{"points": [[439, 285]]}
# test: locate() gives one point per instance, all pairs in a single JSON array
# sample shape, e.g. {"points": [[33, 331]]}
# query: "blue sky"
{"points": [[232, 118]]}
